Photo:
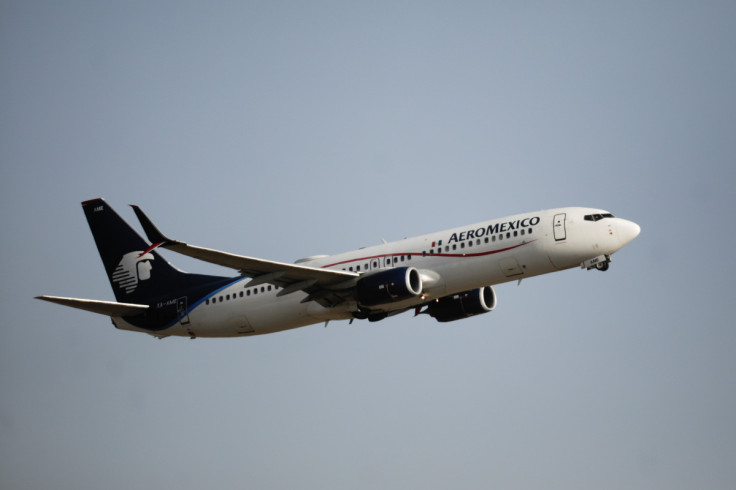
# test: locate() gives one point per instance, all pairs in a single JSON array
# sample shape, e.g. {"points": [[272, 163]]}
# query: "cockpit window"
{"points": [[597, 217]]}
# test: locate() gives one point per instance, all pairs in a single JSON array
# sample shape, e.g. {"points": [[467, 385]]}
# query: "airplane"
{"points": [[448, 275]]}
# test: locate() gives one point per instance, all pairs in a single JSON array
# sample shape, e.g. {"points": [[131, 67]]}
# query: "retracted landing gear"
{"points": [[600, 263]]}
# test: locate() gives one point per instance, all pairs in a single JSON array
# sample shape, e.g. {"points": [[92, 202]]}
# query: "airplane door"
{"points": [[181, 310], [559, 227]]}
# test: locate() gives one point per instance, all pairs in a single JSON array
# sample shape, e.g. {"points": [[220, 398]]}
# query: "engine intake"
{"points": [[463, 305], [389, 286]]}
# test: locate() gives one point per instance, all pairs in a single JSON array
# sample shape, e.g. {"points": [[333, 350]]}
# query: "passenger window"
{"points": [[522, 232], [247, 293], [500, 237], [493, 238], [462, 245], [516, 233], [530, 231], [269, 287], [220, 299], [207, 302], [470, 243]]}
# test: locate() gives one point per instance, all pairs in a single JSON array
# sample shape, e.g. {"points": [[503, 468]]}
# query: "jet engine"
{"points": [[389, 286], [463, 305]]}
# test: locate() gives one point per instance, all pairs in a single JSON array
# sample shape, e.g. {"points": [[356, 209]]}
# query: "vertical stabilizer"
{"points": [[136, 274]]}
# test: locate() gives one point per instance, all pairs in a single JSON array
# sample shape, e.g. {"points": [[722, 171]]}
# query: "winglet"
{"points": [[154, 234]]}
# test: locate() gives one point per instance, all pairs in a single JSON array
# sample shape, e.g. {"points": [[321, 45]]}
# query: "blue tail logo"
{"points": [[133, 267]]}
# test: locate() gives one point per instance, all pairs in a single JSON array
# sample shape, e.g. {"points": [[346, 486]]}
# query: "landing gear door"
{"points": [[559, 227]]}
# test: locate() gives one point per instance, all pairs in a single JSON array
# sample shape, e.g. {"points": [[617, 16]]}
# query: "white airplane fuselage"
{"points": [[449, 262]]}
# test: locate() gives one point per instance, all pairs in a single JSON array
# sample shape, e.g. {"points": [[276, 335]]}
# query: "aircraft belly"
{"points": [[289, 312], [252, 317]]}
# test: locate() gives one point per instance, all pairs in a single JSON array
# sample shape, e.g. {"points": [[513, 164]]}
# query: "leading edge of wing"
{"points": [[262, 271]]}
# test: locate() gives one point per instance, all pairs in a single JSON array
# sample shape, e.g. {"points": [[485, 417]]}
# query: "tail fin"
{"points": [[137, 274]]}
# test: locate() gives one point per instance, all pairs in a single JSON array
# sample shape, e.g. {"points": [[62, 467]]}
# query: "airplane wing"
{"points": [[109, 308], [327, 287]]}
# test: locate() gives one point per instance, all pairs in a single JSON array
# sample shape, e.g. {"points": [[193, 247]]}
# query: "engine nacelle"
{"points": [[463, 305], [389, 286]]}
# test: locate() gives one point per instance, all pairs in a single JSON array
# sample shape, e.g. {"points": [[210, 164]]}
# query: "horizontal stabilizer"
{"points": [[109, 308]]}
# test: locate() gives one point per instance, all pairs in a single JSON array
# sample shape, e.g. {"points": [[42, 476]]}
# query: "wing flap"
{"points": [[109, 308]]}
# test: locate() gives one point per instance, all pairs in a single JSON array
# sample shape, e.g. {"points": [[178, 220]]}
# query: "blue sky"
{"points": [[286, 129]]}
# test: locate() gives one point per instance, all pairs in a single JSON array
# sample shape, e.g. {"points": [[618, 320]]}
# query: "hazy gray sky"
{"points": [[285, 129]]}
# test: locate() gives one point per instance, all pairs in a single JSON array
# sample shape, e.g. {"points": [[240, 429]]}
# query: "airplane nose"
{"points": [[627, 231]]}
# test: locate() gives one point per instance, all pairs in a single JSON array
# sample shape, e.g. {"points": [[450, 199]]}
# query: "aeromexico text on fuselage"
{"points": [[493, 229]]}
